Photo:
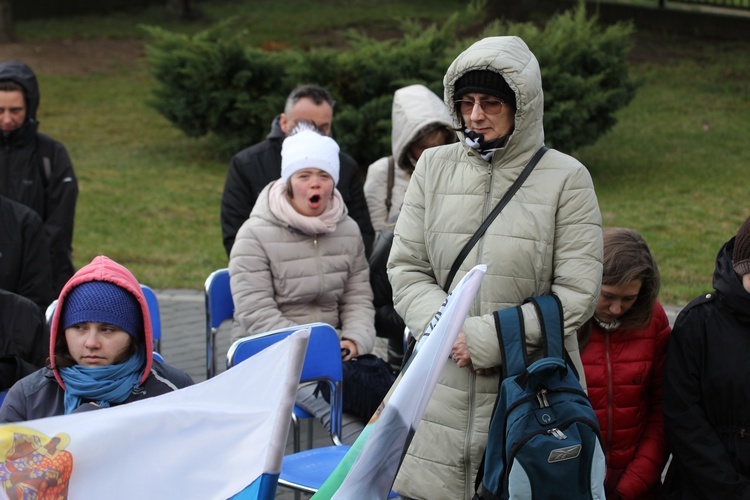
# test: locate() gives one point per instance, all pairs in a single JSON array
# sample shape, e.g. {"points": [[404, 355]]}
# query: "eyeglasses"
{"points": [[488, 106]]}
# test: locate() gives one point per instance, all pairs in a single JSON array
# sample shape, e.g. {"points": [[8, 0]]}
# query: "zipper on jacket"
{"points": [[610, 395], [488, 186], [321, 282], [488, 206], [468, 439]]}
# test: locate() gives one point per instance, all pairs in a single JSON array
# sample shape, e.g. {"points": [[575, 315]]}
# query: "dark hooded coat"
{"points": [[51, 193], [25, 266], [23, 338], [707, 391]]}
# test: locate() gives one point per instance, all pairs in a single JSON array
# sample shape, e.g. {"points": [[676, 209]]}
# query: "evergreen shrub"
{"points": [[213, 83], [584, 74]]}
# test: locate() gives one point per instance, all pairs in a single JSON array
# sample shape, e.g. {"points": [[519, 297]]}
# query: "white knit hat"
{"points": [[308, 149]]}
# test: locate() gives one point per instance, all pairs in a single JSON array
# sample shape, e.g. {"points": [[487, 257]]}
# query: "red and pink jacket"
{"points": [[624, 373]]}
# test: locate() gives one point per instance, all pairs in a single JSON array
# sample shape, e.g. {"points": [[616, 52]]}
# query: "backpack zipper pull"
{"points": [[541, 396], [557, 433]]}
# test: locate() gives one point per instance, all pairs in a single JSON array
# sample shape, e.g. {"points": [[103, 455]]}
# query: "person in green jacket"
{"points": [[547, 239]]}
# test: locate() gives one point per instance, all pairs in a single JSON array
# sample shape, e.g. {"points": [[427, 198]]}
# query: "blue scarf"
{"points": [[102, 384]]}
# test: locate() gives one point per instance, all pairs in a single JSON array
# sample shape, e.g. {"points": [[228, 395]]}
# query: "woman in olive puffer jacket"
{"points": [[546, 240]]}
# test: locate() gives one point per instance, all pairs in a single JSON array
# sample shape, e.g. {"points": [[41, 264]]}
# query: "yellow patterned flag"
{"points": [[222, 438]]}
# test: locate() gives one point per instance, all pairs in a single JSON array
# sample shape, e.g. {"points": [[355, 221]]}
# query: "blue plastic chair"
{"points": [[153, 310], [219, 308], [50, 311], [307, 470]]}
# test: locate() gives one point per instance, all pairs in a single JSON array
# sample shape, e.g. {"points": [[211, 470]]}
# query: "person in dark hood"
{"points": [[35, 170], [101, 350], [252, 169], [707, 384]]}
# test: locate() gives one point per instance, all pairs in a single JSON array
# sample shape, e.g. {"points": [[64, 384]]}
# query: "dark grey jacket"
{"points": [[39, 395], [24, 339], [25, 266]]}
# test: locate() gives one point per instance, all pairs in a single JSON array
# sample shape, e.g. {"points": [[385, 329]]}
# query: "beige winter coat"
{"points": [[281, 277], [548, 239], [414, 108]]}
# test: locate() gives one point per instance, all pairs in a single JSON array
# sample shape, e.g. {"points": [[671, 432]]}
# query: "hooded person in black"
{"points": [[707, 384], [24, 340], [25, 267], [36, 170], [253, 168]]}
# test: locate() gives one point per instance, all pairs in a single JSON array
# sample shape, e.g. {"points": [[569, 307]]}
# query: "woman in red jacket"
{"points": [[623, 351]]}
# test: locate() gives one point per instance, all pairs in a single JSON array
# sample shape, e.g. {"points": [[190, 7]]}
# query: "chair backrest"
{"points": [[50, 312], [322, 361], [153, 309], [219, 308]]}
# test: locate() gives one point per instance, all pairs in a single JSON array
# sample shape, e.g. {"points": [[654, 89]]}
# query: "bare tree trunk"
{"points": [[180, 9], [7, 33]]}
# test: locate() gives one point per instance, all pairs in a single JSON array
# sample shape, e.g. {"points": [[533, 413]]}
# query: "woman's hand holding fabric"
{"points": [[462, 357]]}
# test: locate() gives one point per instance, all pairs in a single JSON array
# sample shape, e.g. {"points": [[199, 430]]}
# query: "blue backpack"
{"points": [[544, 439]]}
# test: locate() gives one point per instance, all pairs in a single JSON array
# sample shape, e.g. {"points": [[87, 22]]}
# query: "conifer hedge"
{"points": [[214, 83]]}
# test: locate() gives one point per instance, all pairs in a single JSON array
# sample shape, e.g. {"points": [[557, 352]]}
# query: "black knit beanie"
{"points": [[741, 255], [486, 82], [103, 302]]}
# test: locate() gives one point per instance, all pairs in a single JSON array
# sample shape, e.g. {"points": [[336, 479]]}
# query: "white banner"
{"points": [[207, 441], [372, 474]]}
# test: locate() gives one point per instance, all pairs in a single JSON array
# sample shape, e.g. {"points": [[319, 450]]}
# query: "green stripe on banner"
{"points": [[342, 469]]}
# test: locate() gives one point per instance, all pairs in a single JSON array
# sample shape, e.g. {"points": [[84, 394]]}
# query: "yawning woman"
{"points": [[300, 259]]}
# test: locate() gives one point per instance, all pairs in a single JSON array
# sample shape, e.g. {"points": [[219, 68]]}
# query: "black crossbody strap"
{"points": [[495, 211], [391, 175]]}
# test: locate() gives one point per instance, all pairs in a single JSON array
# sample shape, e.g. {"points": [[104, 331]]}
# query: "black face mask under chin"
{"points": [[485, 148], [612, 325]]}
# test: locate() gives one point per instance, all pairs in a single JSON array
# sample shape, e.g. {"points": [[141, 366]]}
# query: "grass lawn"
{"points": [[673, 167]]}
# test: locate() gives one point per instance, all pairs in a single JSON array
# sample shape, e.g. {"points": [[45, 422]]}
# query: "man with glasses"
{"points": [[253, 168]]}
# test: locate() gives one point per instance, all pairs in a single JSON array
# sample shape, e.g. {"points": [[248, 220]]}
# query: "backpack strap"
{"points": [[549, 311], [45, 150], [512, 339], [491, 217], [512, 336]]}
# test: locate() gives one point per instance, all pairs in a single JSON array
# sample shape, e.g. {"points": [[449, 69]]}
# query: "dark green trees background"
{"points": [[213, 83]]}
